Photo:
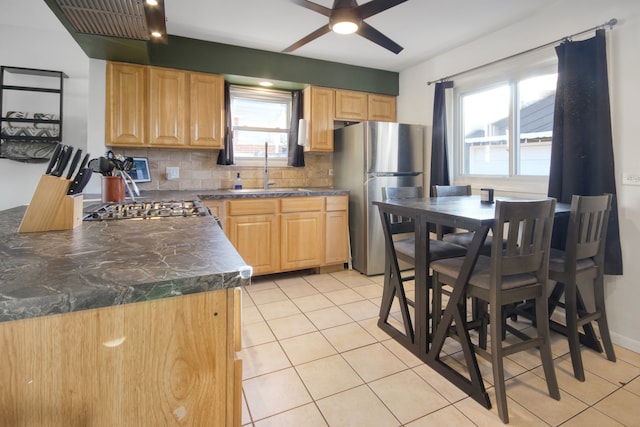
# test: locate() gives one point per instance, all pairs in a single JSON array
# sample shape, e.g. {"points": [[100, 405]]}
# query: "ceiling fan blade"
{"points": [[368, 32], [314, 6], [376, 6], [317, 33]]}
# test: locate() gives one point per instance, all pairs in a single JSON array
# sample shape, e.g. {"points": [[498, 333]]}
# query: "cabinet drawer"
{"points": [[337, 203], [252, 207], [301, 204]]}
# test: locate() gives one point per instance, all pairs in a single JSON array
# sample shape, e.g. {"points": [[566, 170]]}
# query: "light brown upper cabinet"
{"points": [[126, 104], [207, 110], [319, 112], [381, 108], [162, 107], [351, 105], [168, 105], [361, 106]]}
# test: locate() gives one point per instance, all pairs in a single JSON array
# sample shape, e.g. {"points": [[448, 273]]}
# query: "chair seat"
{"points": [[557, 258], [465, 238], [481, 277], [437, 249]]}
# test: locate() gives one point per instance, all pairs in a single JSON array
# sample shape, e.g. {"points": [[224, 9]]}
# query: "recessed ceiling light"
{"points": [[152, 2], [266, 84], [156, 34]]}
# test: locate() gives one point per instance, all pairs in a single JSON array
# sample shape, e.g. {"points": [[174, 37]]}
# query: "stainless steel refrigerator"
{"points": [[367, 157]]}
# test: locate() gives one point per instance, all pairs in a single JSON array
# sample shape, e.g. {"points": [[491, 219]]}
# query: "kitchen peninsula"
{"points": [[130, 322]]}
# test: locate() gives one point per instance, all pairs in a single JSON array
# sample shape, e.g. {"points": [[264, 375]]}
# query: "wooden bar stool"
{"points": [[582, 261], [515, 271]]}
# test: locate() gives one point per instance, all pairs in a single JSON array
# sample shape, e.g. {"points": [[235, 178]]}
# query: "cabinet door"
{"points": [[207, 110], [257, 240], [126, 365], [126, 104], [351, 105], [382, 108], [301, 240], [168, 105], [337, 237], [337, 230], [319, 111]]}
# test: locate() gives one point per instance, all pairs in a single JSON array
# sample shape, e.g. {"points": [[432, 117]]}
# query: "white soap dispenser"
{"points": [[237, 183]]}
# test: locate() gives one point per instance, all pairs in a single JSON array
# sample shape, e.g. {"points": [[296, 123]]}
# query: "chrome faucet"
{"points": [[267, 183]]}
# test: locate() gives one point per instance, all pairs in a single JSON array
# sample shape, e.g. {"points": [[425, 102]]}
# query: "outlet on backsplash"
{"points": [[172, 172]]}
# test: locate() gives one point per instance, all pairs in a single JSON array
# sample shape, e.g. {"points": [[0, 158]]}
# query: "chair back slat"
{"points": [[401, 224], [587, 226], [451, 190], [527, 228]]}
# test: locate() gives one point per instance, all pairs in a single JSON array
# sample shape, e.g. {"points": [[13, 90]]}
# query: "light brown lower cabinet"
{"points": [[163, 362], [274, 235]]}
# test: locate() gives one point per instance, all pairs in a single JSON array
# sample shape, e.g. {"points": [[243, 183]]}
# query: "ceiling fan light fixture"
{"points": [[344, 27], [344, 21]]}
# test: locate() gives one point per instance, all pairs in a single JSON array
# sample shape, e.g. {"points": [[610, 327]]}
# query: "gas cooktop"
{"points": [[148, 210]]}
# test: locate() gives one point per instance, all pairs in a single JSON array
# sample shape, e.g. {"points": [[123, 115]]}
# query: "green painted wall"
{"points": [[198, 55]]}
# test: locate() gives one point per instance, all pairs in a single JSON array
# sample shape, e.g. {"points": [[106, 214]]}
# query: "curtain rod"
{"points": [[610, 23]]}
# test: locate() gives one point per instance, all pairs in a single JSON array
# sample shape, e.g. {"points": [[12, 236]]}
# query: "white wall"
{"points": [[563, 18], [44, 44]]}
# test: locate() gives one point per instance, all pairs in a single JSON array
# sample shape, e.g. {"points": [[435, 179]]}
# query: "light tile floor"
{"points": [[314, 356]]}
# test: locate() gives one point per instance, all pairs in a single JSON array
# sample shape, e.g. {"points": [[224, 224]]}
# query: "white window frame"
{"points": [[261, 93], [505, 72]]}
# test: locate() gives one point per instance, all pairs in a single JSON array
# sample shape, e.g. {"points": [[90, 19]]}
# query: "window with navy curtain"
{"points": [[439, 161], [582, 147], [225, 156], [296, 152]]}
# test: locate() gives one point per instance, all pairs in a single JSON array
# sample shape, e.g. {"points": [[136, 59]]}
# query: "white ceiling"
{"points": [[425, 28]]}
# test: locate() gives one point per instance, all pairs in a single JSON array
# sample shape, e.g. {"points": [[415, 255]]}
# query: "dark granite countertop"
{"points": [[247, 193], [100, 264]]}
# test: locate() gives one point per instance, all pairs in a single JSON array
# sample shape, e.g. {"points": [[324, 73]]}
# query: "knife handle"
{"points": [[63, 163], [54, 158], [74, 163]]}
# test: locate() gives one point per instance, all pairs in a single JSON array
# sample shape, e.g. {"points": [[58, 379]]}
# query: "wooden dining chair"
{"points": [[399, 232], [448, 234], [582, 261], [515, 271]]}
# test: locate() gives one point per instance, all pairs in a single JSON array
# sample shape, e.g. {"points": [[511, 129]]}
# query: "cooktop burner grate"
{"points": [[148, 210]]}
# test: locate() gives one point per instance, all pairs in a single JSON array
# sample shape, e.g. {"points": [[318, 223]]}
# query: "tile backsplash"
{"points": [[199, 171]]}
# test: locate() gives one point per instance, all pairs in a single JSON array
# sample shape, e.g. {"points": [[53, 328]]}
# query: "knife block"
{"points": [[51, 208]]}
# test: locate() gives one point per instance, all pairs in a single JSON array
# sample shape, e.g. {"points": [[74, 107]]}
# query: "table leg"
{"points": [[393, 287]]}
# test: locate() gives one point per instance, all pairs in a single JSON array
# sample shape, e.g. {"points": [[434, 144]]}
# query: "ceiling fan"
{"points": [[347, 17]]}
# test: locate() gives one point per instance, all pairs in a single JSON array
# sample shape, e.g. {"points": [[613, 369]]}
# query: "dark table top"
{"points": [[456, 211]]}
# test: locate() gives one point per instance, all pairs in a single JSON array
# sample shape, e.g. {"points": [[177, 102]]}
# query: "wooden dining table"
{"points": [[464, 212]]}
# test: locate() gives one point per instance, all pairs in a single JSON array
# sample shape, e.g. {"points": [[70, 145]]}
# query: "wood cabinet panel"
{"points": [[319, 111], [351, 105], [252, 206], [301, 204], [168, 106], [382, 108], [257, 240], [302, 242], [126, 104], [336, 237], [337, 230], [206, 110], [160, 362]]}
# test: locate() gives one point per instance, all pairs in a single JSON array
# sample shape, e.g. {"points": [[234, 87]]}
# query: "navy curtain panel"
{"points": [[439, 162], [225, 156], [296, 152], [582, 147]]}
